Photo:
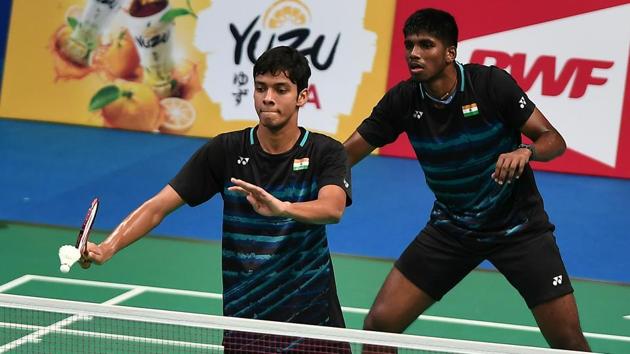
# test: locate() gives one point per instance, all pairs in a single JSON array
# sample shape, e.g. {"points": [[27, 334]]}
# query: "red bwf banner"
{"points": [[572, 59]]}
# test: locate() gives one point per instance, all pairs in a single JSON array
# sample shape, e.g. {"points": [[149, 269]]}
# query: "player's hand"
{"points": [[511, 165], [98, 254], [262, 201]]}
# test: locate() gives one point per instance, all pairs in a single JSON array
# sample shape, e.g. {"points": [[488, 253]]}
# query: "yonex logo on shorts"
{"points": [[557, 280], [417, 114]]}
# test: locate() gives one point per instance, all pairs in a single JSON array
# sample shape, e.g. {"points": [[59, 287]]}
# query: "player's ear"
{"points": [[302, 97], [451, 54]]}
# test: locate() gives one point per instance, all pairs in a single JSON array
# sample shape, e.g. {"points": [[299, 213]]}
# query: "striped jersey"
{"points": [[274, 268], [458, 144]]}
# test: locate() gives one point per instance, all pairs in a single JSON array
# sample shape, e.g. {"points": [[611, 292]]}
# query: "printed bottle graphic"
{"points": [[154, 41], [81, 44]]}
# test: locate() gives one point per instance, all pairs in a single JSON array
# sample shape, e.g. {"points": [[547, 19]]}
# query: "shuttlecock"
{"points": [[68, 255]]}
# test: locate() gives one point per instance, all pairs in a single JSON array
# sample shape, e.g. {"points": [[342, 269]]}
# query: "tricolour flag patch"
{"points": [[300, 164], [470, 110]]}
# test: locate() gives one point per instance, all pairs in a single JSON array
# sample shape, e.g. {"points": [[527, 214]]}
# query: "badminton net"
{"points": [[41, 325]]}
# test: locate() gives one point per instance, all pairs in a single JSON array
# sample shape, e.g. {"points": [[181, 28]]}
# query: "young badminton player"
{"points": [[281, 184]]}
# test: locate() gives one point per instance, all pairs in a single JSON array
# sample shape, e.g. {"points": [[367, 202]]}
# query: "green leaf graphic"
{"points": [[104, 96], [72, 22], [171, 14]]}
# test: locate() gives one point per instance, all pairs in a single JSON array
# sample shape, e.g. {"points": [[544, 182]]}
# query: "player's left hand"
{"points": [[511, 165], [262, 201]]}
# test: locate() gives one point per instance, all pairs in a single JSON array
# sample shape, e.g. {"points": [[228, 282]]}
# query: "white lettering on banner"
{"points": [[233, 33], [574, 69]]}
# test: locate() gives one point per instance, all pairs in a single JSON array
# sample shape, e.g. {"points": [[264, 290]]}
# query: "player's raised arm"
{"points": [[134, 226], [357, 148], [326, 209]]}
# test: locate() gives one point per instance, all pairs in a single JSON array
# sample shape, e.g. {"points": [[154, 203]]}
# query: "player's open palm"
{"points": [[262, 201]]}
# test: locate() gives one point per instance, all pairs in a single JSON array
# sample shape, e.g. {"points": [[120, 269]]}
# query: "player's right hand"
{"points": [[98, 254]]}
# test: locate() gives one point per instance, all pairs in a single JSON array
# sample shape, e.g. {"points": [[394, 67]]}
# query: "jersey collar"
{"points": [[460, 78], [253, 139]]}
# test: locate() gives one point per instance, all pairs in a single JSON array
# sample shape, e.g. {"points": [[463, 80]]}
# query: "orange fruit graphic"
{"points": [[286, 11], [120, 59], [138, 108], [179, 115]]}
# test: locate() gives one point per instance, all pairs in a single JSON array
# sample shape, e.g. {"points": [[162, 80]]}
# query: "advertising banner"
{"points": [[184, 67], [571, 57]]}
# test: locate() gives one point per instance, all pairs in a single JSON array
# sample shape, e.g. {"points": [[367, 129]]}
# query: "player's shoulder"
{"points": [[322, 139], [408, 87], [233, 137]]}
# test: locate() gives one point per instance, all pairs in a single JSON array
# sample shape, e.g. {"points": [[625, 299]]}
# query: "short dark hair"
{"points": [[285, 60], [435, 22]]}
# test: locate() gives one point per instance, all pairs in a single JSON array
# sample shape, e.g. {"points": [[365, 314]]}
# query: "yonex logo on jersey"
{"points": [[522, 102], [300, 164], [345, 183], [417, 114], [557, 280], [242, 160], [470, 110]]}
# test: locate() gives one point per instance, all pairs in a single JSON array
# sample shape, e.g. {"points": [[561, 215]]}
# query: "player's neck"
{"points": [[278, 141], [443, 85]]}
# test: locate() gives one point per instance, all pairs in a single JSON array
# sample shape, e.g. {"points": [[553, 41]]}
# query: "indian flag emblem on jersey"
{"points": [[470, 110], [300, 164]]}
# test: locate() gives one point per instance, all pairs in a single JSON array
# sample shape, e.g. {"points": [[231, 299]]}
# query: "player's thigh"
{"points": [[397, 304], [533, 265], [435, 262]]}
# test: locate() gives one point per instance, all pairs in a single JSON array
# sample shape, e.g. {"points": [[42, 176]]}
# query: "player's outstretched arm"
{"points": [[547, 144], [326, 209], [134, 226], [357, 148]]}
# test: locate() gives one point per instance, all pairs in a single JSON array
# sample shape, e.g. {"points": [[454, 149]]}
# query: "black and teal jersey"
{"points": [[273, 268], [458, 145]]}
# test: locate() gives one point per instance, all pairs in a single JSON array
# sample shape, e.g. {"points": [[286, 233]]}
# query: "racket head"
{"points": [[84, 233]]}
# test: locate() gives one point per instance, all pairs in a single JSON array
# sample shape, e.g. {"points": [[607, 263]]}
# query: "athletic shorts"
{"points": [[435, 262]]}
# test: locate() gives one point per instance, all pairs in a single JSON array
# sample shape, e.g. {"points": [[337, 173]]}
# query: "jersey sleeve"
{"points": [[334, 169], [202, 176], [513, 104], [384, 123]]}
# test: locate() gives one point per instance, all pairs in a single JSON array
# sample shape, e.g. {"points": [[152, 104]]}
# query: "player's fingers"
{"points": [[511, 170], [238, 190], [500, 170], [520, 169]]}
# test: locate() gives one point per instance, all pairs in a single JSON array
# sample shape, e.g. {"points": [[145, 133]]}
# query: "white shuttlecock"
{"points": [[68, 255]]}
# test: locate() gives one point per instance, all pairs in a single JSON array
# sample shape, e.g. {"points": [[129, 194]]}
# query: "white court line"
{"points": [[355, 310], [58, 326], [110, 336], [15, 282]]}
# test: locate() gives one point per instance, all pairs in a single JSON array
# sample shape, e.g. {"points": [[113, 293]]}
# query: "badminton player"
{"points": [[280, 184]]}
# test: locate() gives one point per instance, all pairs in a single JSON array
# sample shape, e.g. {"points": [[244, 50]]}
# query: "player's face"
{"points": [[276, 100], [427, 56]]}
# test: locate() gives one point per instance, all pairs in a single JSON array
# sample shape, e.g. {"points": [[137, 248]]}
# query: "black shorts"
{"points": [[435, 262]]}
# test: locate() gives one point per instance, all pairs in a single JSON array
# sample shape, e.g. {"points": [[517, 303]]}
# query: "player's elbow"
{"points": [[335, 215]]}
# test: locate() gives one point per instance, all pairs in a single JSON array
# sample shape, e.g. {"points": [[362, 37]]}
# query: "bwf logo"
{"points": [[568, 82], [242, 160], [557, 280]]}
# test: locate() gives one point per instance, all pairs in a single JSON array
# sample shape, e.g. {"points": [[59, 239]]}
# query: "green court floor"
{"points": [[185, 276]]}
